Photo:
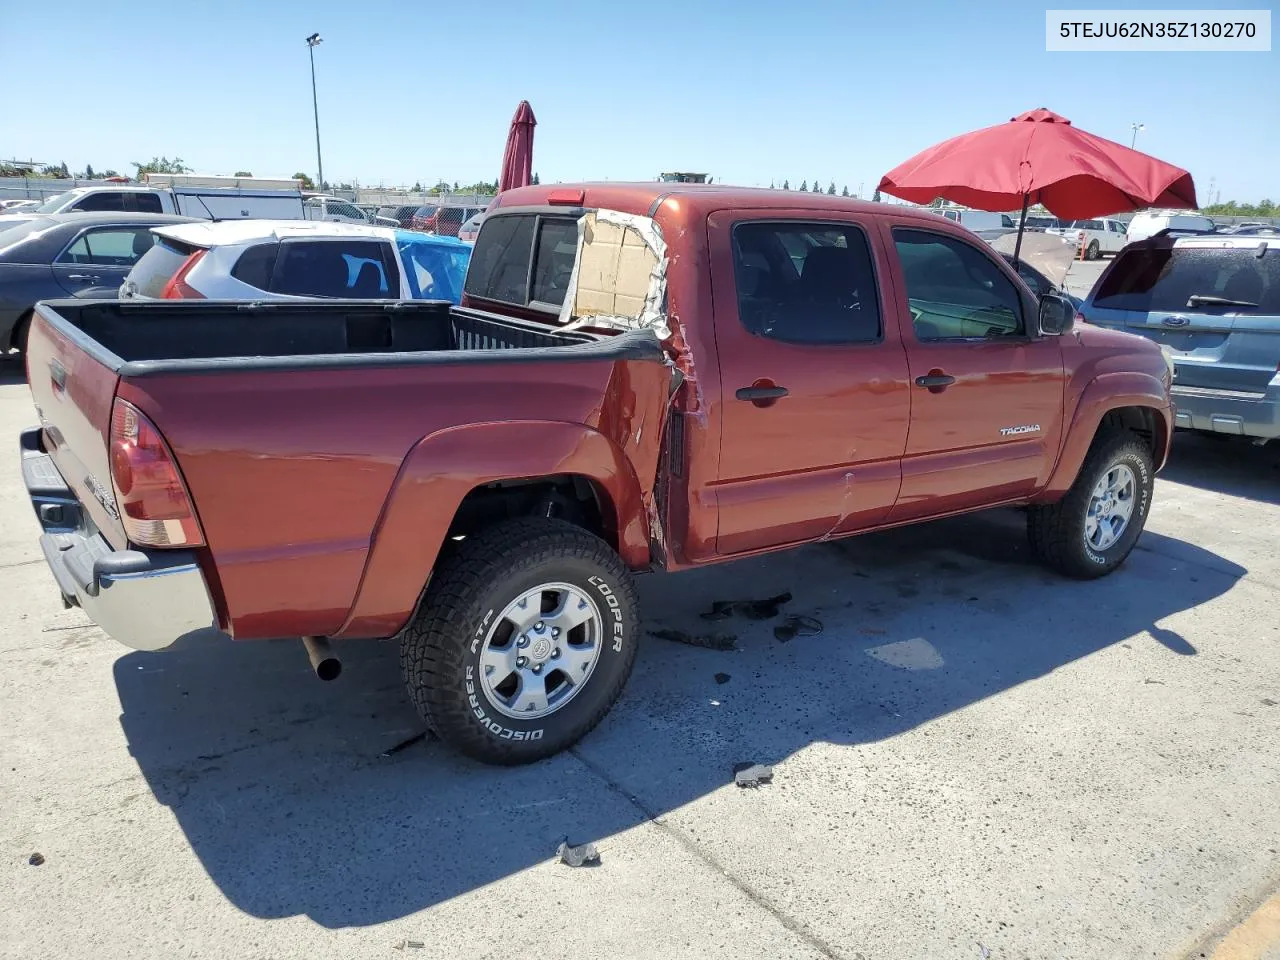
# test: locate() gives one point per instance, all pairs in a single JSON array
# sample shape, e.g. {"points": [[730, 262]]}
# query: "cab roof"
{"points": [[678, 199]]}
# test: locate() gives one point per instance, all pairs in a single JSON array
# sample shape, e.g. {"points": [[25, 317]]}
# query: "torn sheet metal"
{"points": [[619, 276]]}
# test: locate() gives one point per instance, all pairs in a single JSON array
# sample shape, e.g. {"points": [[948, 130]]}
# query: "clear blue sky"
{"points": [[748, 91]]}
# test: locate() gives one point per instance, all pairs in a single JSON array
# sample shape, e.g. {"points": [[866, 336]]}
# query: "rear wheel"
{"points": [[524, 640], [1091, 530]]}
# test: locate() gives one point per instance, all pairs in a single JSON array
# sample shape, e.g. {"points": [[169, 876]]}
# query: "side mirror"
{"points": [[1056, 315]]}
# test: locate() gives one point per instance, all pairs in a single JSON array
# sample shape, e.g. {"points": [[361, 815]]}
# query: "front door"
{"points": [[813, 380], [986, 389]]}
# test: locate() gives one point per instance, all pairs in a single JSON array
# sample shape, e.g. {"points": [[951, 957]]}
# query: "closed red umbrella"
{"points": [[517, 159], [1039, 157]]}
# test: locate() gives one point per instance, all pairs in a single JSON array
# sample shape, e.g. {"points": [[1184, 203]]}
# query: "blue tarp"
{"points": [[435, 267]]}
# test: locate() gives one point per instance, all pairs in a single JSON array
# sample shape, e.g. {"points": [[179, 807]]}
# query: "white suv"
{"points": [[288, 259], [1095, 237]]}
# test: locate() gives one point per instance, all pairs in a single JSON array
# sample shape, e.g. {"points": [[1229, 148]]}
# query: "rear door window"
{"points": [[1164, 279], [148, 202], [256, 265], [810, 283], [107, 200], [358, 269], [109, 247]]}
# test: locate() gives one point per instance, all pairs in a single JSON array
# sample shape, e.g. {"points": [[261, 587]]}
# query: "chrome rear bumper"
{"points": [[144, 599]]}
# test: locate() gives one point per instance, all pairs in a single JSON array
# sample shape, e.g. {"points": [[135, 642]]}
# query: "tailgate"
{"points": [[73, 383]]}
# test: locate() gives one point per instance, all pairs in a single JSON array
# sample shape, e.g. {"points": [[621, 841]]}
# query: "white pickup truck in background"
{"points": [[1096, 236], [210, 198]]}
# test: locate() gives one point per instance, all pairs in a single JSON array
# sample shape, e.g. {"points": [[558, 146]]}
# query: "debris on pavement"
{"points": [[722, 678], [765, 609], [408, 944], [418, 738], [577, 856], [752, 774], [36, 859], [797, 626], [710, 641]]}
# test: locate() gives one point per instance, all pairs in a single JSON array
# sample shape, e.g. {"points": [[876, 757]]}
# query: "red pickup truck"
{"points": [[640, 377]]}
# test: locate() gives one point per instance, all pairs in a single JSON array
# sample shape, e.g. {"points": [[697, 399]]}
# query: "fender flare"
{"points": [[1105, 393], [442, 468]]}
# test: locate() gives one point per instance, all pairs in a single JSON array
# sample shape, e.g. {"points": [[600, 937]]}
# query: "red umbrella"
{"points": [[517, 159], [1039, 157]]}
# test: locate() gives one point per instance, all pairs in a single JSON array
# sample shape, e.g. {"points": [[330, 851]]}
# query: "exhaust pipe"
{"points": [[323, 662]]}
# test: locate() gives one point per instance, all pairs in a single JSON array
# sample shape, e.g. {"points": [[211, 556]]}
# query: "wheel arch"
{"points": [[455, 481], [1130, 401]]}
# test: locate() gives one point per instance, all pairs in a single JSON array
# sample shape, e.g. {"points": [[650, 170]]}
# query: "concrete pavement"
{"points": [[973, 758]]}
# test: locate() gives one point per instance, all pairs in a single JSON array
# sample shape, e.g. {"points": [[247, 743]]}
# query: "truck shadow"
{"points": [[281, 787], [1230, 465]]}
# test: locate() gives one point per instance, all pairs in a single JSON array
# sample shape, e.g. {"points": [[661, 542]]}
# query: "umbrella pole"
{"points": [[1022, 220]]}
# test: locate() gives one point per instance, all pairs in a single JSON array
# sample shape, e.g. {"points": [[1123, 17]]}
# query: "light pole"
{"points": [[1136, 128], [314, 41]]}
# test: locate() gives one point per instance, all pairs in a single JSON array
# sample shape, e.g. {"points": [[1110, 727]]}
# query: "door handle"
{"points": [[762, 394], [58, 374], [935, 381], [83, 276]]}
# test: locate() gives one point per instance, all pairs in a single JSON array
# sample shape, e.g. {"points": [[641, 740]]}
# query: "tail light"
{"points": [[155, 507], [177, 288]]}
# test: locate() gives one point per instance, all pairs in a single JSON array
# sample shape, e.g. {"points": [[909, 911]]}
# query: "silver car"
{"points": [[1214, 303]]}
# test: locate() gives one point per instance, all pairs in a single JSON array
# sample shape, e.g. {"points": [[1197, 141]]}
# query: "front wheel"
{"points": [[1094, 252], [1091, 530], [524, 641]]}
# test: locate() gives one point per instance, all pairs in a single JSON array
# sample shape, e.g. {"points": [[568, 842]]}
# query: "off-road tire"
{"points": [[1057, 531], [1093, 251], [473, 584]]}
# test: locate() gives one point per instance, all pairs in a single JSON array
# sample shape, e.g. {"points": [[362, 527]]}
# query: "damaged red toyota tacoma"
{"points": [[640, 377]]}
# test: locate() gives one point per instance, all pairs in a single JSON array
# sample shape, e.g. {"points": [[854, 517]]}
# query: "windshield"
{"points": [[56, 203], [1164, 279]]}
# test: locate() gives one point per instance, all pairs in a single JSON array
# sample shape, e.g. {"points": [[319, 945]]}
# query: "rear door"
{"points": [[986, 391], [813, 379], [1153, 291], [95, 263]]}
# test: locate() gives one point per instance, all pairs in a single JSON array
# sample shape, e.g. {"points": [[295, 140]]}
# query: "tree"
{"points": [[875, 197], [804, 186], [936, 202], [243, 173], [831, 189], [88, 171], [108, 174], [160, 165], [537, 182], [305, 180], [786, 184], [455, 186], [844, 191]]}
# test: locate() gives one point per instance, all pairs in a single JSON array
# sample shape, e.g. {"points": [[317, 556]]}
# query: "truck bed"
{"points": [[298, 427], [136, 339]]}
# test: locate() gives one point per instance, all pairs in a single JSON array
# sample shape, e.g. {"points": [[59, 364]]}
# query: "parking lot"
{"points": [[972, 758]]}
